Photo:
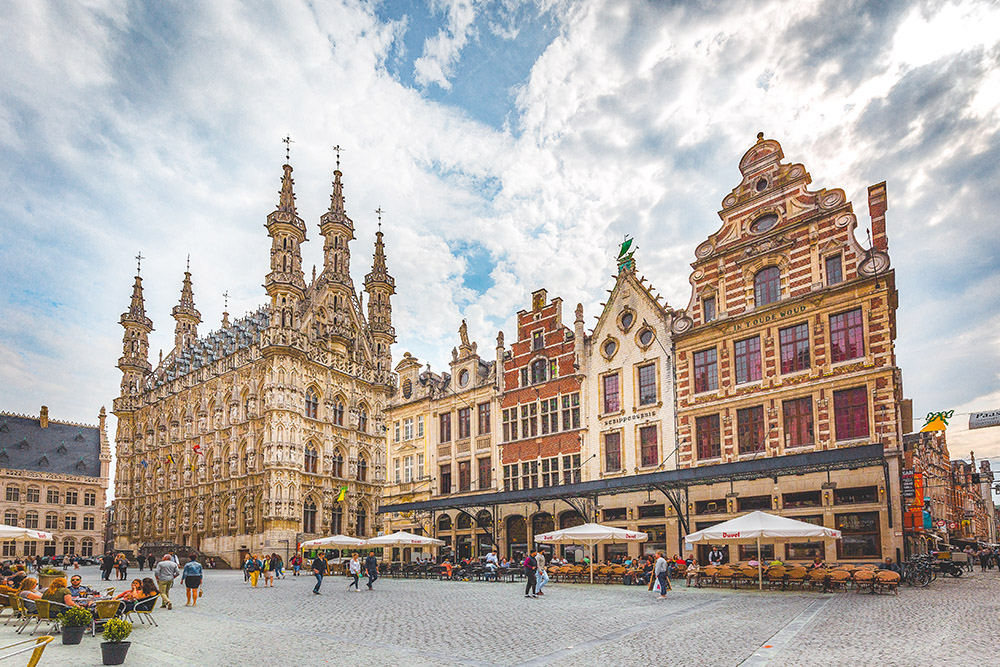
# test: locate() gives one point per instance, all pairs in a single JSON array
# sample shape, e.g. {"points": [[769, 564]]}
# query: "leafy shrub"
{"points": [[75, 617], [52, 572], [117, 630]]}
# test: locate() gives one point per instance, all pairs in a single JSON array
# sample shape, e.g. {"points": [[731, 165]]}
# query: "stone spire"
{"points": [[380, 287], [285, 284], [134, 362], [185, 314], [338, 231]]}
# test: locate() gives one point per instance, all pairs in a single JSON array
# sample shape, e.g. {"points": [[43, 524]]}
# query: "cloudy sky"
{"points": [[510, 143]]}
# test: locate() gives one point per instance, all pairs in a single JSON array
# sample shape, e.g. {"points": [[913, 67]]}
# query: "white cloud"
{"points": [[442, 51]]}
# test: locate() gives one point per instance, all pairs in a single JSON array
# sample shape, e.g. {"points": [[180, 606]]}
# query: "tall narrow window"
{"points": [[649, 449], [834, 270], [847, 336], [312, 403], [750, 429], [420, 466], [550, 415], [408, 469], [612, 451], [485, 473], [612, 394], [706, 374], [309, 517], [850, 410], [708, 309], [798, 421], [420, 426], [338, 464], [311, 459], [537, 340], [408, 428], [362, 469], [464, 423], [464, 476], [509, 424], [794, 344], [445, 479], [707, 433], [361, 524], [396, 468], [338, 413], [767, 286], [337, 520], [647, 384], [746, 359], [571, 411], [444, 424], [363, 419], [483, 410], [529, 420]]}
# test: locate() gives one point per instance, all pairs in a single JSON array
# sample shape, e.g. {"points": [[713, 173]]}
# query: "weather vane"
{"points": [[188, 269], [379, 212], [225, 296], [138, 263], [625, 260], [337, 148], [288, 147]]}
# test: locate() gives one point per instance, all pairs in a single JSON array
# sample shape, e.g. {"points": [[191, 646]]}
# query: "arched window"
{"points": [[337, 520], [444, 523], [464, 521], [312, 460], [338, 464], [362, 469], [31, 520], [87, 547], [767, 286], [362, 522], [312, 404], [363, 419], [309, 517], [338, 413]]}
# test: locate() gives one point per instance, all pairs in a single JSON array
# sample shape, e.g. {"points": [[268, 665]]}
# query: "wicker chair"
{"points": [[887, 581], [708, 575], [840, 579], [864, 579], [724, 576], [776, 576], [796, 576], [818, 578]]}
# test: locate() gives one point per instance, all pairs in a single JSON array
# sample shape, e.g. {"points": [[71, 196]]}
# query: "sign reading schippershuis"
{"points": [[984, 419], [908, 487]]}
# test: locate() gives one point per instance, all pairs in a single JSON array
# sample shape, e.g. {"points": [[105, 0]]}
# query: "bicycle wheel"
{"points": [[923, 578]]}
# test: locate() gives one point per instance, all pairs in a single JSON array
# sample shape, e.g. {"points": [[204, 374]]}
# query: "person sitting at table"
{"points": [[19, 576], [889, 565], [753, 563], [28, 591], [447, 567], [693, 572], [777, 562], [77, 589], [58, 591], [133, 593], [817, 563]]}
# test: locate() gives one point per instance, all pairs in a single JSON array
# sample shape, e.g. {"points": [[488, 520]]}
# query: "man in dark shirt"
{"points": [[150, 560], [371, 567], [319, 569], [530, 564], [889, 565], [107, 564]]}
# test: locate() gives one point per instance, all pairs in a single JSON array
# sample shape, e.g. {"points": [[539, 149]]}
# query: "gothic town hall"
{"points": [[269, 430]]}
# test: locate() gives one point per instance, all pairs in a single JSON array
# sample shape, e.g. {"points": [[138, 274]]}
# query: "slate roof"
{"points": [[62, 448]]}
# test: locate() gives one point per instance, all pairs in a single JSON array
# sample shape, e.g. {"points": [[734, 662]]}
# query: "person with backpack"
{"points": [[253, 568], [530, 565]]}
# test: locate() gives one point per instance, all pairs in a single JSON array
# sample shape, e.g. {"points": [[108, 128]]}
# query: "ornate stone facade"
{"points": [[243, 439], [55, 477]]}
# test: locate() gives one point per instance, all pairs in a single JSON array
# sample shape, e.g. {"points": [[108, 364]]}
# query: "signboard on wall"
{"points": [[908, 488], [984, 419]]}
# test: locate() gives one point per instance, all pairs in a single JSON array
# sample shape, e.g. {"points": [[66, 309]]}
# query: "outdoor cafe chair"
{"points": [[22, 611], [776, 577], [37, 648], [840, 579], [724, 575], [864, 579], [47, 612], [709, 574], [796, 576], [886, 580], [818, 578], [143, 609], [104, 610], [13, 601]]}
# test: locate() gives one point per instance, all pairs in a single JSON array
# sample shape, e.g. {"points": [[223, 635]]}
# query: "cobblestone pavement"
{"points": [[417, 622]]}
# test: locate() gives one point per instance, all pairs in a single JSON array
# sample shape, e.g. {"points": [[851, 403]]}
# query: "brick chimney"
{"points": [[877, 205], [43, 417]]}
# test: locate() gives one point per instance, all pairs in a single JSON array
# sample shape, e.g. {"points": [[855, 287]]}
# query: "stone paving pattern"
{"points": [[417, 622]]}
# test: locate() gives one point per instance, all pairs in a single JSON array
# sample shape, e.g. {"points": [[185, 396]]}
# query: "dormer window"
{"points": [[62, 449], [43, 462], [23, 444]]}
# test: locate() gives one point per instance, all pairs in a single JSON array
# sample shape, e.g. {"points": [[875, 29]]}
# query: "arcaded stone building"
{"points": [[242, 440], [55, 477]]}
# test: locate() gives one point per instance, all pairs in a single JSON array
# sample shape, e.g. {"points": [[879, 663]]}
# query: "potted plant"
{"points": [[74, 622], [114, 648], [47, 575]]}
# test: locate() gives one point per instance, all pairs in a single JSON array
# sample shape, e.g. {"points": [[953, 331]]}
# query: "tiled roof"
{"points": [[61, 448]]}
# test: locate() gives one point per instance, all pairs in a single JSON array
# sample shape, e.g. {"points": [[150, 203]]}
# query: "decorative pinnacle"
{"points": [[288, 147], [138, 263]]}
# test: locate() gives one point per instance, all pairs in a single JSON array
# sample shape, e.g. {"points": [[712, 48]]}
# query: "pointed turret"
{"points": [[186, 315], [337, 230], [380, 287], [134, 362], [285, 284]]}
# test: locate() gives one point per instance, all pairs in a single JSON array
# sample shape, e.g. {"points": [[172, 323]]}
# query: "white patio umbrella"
{"points": [[404, 539], [17, 533], [591, 534], [754, 526], [332, 541]]}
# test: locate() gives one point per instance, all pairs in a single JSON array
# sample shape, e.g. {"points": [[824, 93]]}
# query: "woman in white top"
{"points": [[354, 567]]}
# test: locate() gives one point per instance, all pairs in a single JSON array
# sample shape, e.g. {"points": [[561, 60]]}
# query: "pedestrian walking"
{"points": [[296, 565], [253, 567], [142, 561], [371, 567], [541, 574], [150, 560], [165, 572], [122, 565], [192, 579], [661, 574], [354, 567], [267, 568], [107, 564], [279, 566], [319, 570], [529, 573]]}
